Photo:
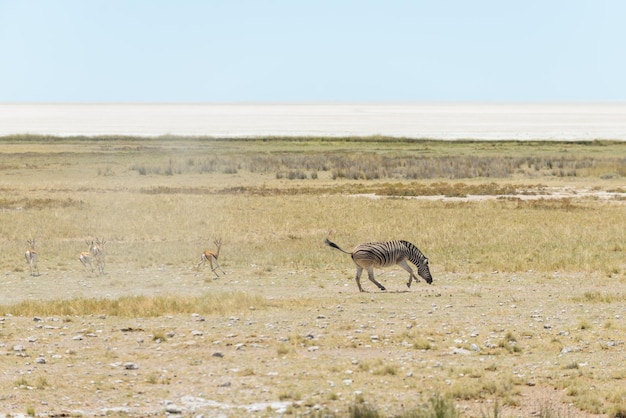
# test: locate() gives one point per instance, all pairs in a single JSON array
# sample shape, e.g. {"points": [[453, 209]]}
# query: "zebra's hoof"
{"points": [[382, 288]]}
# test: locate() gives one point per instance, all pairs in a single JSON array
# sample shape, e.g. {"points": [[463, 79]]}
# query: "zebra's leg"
{"points": [[408, 268], [370, 274], [359, 270]]}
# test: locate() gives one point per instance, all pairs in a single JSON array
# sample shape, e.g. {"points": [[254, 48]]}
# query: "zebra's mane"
{"points": [[414, 249]]}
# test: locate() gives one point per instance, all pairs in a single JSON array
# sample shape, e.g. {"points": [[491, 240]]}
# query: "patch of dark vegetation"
{"points": [[386, 189], [565, 204], [454, 189], [375, 166], [352, 158], [156, 190], [37, 203]]}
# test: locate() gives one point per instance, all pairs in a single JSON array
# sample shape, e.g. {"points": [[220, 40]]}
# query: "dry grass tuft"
{"points": [[221, 303]]}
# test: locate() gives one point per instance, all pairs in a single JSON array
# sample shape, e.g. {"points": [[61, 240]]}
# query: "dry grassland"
{"points": [[526, 241]]}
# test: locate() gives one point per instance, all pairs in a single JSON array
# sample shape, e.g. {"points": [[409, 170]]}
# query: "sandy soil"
{"points": [[336, 348]]}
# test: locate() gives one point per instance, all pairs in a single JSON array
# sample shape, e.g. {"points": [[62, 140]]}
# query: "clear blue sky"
{"points": [[302, 51]]}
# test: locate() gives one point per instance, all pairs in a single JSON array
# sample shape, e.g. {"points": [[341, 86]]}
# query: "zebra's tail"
{"points": [[332, 244]]}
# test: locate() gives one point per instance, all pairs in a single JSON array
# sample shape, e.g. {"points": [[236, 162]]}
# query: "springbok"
{"points": [[97, 251], [211, 256], [31, 257], [86, 257]]}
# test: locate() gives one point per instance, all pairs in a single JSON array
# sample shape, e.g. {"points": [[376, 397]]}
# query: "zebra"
{"points": [[384, 254]]}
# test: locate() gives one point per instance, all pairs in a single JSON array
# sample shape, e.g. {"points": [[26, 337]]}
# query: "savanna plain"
{"points": [[525, 316]]}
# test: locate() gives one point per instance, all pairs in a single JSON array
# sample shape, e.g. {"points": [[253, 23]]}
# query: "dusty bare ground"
{"points": [[392, 350]]}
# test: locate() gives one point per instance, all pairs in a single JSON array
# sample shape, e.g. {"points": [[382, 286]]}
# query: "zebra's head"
{"points": [[424, 271]]}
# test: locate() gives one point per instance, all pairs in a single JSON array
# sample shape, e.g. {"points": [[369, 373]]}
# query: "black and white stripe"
{"points": [[385, 254]]}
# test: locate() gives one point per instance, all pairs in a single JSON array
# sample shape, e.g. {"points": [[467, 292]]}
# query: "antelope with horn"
{"points": [[32, 257], [86, 258], [97, 251], [211, 256]]}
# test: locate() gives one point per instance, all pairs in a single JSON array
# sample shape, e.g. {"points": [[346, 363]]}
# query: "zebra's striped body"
{"points": [[385, 254]]}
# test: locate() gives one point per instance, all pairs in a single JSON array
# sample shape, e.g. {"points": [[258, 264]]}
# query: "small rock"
{"points": [[40, 360], [131, 366], [218, 354], [173, 409]]}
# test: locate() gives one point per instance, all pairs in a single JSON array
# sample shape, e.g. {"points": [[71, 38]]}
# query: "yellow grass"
{"points": [[222, 303]]}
